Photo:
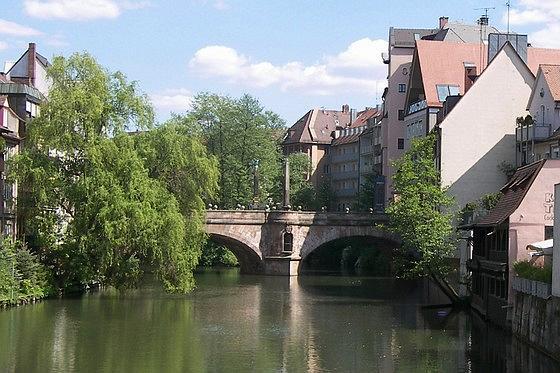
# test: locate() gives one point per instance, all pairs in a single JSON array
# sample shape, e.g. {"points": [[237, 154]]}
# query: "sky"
{"points": [[293, 55]]}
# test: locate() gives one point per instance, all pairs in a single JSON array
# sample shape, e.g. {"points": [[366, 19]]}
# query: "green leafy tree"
{"points": [[22, 275], [301, 190], [239, 132], [366, 195], [420, 214], [94, 212]]}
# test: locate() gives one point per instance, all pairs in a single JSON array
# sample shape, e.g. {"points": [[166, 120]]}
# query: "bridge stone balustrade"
{"points": [[257, 237]]}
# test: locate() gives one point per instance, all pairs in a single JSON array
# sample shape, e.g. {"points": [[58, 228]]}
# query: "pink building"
{"points": [[523, 216]]}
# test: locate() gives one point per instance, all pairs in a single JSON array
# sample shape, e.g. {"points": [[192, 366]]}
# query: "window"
{"points": [[548, 232], [401, 114], [402, 88], [555, 152], [326, 169], [444, 90], [32, 109], [288, 242], [400, 143]]}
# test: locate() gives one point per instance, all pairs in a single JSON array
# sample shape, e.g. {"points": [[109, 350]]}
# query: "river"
{"points": [[235, 323]]}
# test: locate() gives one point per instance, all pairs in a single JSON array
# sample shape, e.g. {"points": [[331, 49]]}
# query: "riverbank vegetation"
{"points": [[421, 215], [23, 278], [102, 205]]}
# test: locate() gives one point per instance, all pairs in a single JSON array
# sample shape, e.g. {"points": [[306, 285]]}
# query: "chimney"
{"points": [[31, 57], [353, 115], [443, 22], [345, 108]]}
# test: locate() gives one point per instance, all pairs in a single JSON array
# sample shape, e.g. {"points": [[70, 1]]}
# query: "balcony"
{"points": [[417, 106], [337, 158], [534, 132], [344, 175]]}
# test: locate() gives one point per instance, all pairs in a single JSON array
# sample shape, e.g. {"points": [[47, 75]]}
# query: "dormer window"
{"points": [[444, 90]]}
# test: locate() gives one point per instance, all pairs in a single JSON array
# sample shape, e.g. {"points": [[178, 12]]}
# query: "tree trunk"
{"points": [[448, 290]]}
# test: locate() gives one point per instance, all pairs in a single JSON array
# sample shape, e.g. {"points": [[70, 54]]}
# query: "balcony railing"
{"points": [[417, 106], [533, 132]]}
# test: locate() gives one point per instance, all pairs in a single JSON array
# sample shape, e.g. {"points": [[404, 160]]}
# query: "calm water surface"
{"points": [[234, 323]]}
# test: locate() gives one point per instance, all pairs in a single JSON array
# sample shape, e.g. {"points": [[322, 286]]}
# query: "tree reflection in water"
{"points": [[260, 324]]}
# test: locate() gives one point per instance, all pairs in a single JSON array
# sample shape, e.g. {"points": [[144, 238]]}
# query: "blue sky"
{"points": [[291, 55]]}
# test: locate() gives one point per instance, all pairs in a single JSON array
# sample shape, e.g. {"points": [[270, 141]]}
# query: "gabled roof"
{"points": [[462, 32], [512, 194], [551, 74], [542, 56], [443, 63], [38, 57], [316, 126]]}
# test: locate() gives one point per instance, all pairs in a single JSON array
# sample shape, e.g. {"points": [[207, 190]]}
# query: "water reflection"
{"points": [[259, 324]]}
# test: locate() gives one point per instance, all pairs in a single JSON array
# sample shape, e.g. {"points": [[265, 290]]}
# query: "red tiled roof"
{"points": [[542, 56], [551, 75], [512, 194], [348, 139], [443, 63], [364, 116], [316, 126]]}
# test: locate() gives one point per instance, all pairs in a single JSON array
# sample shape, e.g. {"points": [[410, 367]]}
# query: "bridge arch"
{"points": [[317, 238], [249, 257], [352, 253]]}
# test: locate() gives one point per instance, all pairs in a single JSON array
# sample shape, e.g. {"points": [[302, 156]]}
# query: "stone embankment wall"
{"points": [[537, 321]]}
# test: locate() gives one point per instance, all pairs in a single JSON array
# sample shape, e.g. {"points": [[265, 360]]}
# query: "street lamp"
{"points": [[255, 164]]}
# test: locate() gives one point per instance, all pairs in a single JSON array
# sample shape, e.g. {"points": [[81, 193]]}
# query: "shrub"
{"points": [[525, 269]]}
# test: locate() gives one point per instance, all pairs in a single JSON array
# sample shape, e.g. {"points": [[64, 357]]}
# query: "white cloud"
{"points": [[80, 10], [359, 68], [176, 100], [3, 45], [545, 14], [12, 28]]}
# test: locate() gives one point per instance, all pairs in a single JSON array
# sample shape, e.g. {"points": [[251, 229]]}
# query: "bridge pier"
{"points": [[281, 266]]}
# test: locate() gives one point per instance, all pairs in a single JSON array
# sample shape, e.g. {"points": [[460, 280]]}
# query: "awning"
{"points": [[541, 248]]}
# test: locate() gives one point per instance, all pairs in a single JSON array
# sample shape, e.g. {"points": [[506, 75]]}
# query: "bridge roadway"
{"points": [[276, 242]]}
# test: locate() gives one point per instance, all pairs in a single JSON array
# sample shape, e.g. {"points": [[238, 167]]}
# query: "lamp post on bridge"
{"points": [[286, 183], [255, 164]]}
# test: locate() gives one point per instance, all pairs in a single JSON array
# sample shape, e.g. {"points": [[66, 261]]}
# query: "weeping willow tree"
{"points": [[95, 209]]}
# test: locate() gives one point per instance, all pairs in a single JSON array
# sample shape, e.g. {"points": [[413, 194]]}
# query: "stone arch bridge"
{"points": [[276, 242]]}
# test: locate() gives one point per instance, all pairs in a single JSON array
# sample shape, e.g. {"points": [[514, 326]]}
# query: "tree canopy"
{"points": [[420, 213], [239, 132], [97, 208]]}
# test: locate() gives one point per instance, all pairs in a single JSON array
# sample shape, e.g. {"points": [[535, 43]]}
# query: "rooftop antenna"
{"points": [[508, 4], [483, 22]]}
